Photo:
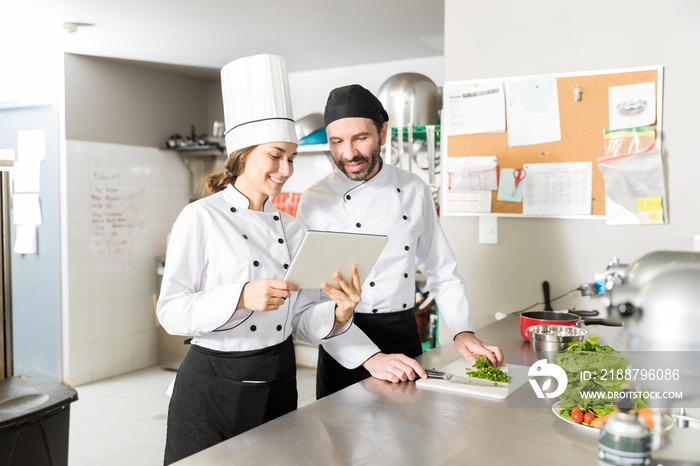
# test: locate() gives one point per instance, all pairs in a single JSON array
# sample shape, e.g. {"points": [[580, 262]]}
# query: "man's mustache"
{"points": [[357, 158]]}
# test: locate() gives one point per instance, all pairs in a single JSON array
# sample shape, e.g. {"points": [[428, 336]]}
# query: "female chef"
{"points": [[223, 285]]}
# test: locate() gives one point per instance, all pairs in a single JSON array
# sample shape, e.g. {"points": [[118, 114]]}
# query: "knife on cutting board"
{"points": [[450, 377], [476, 387]]}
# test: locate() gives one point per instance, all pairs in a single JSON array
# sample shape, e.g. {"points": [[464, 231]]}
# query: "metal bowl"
{"points": [[548, 340], [308, 124]]}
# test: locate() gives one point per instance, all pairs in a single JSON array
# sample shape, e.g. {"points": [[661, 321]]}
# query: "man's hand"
{"points": [[468, 345], [394, 367], [346, 296]]}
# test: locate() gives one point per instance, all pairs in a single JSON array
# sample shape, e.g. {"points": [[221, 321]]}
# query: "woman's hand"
{"points": [[346, 297], [265, 294]]}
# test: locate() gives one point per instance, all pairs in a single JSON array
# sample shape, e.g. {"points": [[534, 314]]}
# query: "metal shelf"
{"points": [[198, 149], [313, 149]]}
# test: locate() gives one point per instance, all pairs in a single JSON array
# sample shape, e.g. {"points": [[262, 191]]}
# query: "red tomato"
{"points": [[576, 415], [588, 417]]}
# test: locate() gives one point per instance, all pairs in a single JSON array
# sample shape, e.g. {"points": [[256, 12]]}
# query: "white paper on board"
{"points": [[632, 105], [475, 108], [558, 188], [472, 173], [532, 111]]}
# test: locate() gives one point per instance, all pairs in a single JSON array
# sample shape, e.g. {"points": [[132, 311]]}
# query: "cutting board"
{"points": [[459, 367]]}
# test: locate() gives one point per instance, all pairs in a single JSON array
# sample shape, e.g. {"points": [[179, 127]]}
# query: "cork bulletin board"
{"points": [[582, 125]]}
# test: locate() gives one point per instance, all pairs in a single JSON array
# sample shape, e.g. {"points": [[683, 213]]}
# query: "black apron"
{"points": [[212, 403], [392, 332]]}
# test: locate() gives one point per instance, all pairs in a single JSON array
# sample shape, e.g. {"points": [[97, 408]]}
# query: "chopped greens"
{"points": [[484, 370]]}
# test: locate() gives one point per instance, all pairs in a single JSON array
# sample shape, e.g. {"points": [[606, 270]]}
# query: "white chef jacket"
{"points": [[217, 245], [398, 204]]}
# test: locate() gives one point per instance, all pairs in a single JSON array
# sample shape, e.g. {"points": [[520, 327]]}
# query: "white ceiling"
{"points": [[207, 34]]}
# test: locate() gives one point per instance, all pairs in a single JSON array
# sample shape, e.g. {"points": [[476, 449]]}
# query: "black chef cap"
{"points": [[353, 101]]}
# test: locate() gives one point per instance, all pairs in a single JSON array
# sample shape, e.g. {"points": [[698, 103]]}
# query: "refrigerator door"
{"points": [[6, 369]]}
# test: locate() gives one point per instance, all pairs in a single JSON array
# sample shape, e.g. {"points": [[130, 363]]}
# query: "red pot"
{"points": [[530, 318]]}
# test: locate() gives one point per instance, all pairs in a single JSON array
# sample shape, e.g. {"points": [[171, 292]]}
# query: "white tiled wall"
{"points": [[112, 276]]}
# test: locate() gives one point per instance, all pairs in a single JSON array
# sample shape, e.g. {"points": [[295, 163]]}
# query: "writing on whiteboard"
{"points": [[114, 209]]}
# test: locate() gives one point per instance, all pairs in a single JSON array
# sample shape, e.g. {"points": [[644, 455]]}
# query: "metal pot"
{"points": [[410, 99], [530, 318]]}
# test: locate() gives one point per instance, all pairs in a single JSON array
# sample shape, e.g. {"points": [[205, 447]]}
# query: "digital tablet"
{"points": [[322, 253]]}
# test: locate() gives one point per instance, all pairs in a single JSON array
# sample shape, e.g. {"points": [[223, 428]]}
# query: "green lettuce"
{"points": [[602, 363]]}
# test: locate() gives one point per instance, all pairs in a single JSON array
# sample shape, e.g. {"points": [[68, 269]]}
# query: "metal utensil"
{"points": [[548, 340], [435, 374], [399, 150], [430, 143]]}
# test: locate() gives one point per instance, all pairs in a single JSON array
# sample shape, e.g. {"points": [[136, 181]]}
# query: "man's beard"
{"points": [[371, 163]]}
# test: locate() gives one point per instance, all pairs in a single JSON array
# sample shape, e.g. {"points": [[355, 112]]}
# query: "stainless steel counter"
{"points": [[376, 422]]}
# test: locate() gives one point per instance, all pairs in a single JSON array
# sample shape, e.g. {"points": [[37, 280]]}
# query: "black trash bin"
{"points": [[34, 421]]}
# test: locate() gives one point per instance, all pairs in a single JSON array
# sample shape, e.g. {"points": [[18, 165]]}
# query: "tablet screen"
{"points": [[322, 253]]}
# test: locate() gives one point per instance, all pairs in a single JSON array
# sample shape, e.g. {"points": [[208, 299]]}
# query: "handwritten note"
{"points": [[114, 209]]}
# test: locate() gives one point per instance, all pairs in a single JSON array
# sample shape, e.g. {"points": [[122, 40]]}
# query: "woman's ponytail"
{"points": [[217, 181]]}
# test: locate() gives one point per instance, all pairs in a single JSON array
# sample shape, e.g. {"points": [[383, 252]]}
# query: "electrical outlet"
{"points": [[488, 230]]}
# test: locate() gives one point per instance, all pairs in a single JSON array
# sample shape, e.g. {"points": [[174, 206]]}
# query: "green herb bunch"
{"points": [[484, 370]]}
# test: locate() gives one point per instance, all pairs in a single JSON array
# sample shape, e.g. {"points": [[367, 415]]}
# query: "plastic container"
{"points": [[34, 421]]}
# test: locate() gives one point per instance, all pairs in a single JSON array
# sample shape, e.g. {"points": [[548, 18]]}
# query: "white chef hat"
{"points": [[257, 102]]}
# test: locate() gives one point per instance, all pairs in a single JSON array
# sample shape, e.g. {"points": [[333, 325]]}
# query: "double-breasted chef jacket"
{"points": [[216, 246], [399, 204]]}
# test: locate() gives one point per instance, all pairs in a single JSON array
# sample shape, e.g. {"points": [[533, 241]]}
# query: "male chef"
{"points": [[366, 195]]}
